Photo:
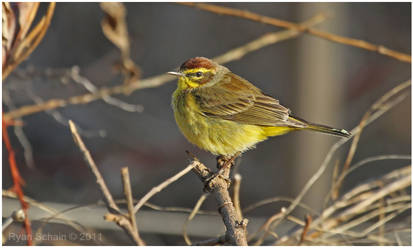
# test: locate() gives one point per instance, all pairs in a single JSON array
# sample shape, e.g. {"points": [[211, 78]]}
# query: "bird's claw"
{"points": [[209, 182]]}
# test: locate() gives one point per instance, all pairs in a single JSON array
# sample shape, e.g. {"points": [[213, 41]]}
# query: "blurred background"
{"points": [[320, 81]]}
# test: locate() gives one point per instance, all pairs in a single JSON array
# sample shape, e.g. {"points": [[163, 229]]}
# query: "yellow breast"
{"points": [[218, 136]]}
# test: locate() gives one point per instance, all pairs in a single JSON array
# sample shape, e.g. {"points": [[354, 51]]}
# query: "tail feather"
{"points": [[302, 124], [328, 130]]}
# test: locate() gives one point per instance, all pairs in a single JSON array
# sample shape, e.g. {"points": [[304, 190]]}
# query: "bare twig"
{"points": [[397, 209], [290, 25], [308, 220], [399, 241], [92, 166], [265, 40], [384, 107], [276, 199], [192, 215], [265, 227], [365, 161], [218, 186], [396, 180], [34, 203], [19, 132], [163, 185], [404, 182], [88, 85], [17, 180], [237, 204], [177, 209], [377, 105], [156, 81], [59, 118], [129, 199], [115, 215]]}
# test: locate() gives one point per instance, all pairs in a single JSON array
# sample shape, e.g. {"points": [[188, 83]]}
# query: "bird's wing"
{"points": [[235, 99]]}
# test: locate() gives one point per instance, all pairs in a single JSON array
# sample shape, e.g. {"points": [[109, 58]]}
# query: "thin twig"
{"points": [[115, 215], [396, 209], [156, 81], [163, 185], [34, 203], [265, 227], [401, 178], [277, 199], [191, 216], [89, 86], [92, 166], [384, 108], [59, 118], [19, 132], [352, 211], [364, 162], [376, 106], [177, 209], [17, 181], [369, 186], [308, 220], [399, 241], [129, 199], [236, 194], [293, 26]]}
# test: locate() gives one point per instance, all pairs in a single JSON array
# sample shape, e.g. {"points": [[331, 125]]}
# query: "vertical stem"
{"points": [[128, 195]]}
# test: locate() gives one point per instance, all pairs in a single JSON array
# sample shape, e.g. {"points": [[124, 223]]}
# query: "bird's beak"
{"points": [[178, 74]]}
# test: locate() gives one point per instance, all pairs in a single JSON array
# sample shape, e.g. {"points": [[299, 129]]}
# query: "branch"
{"points": [[115, 215], [89, 217], [383, 108], [380, 103], [191, 216], [19, 132], [156, 81], [92, 166], [218, 186], [89, 86], [237, 186], [17, 181], [129, 199], [53, 212], [163, 185], [290, 25], [357, 202]]}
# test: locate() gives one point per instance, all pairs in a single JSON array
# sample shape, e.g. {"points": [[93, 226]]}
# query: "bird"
{"points": [[225, 114]]}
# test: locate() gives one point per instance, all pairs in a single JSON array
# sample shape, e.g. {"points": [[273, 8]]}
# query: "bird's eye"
{"points": [[198, 74]]}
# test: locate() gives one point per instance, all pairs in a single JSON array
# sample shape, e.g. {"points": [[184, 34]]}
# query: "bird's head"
{"points": [[197, 72]]}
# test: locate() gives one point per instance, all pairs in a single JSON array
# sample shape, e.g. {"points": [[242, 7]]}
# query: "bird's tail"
{"points": [[328, 130], [322, 128]]}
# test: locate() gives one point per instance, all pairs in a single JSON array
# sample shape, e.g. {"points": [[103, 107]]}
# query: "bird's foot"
{"points": [[211, 181]]}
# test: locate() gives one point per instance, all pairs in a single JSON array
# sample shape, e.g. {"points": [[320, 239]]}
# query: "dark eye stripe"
{"points": [[195, 74]]}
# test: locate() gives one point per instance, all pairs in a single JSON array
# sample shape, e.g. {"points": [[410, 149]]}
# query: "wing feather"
{"points": [[235, 99]]}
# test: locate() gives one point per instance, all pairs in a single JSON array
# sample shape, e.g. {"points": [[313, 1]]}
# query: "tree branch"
{"points": [[115, 215], [293, 26], [218, 186], [156, 81]]}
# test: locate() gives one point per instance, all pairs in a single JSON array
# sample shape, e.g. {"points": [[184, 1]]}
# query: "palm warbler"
{"points": [[225, 114]]}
